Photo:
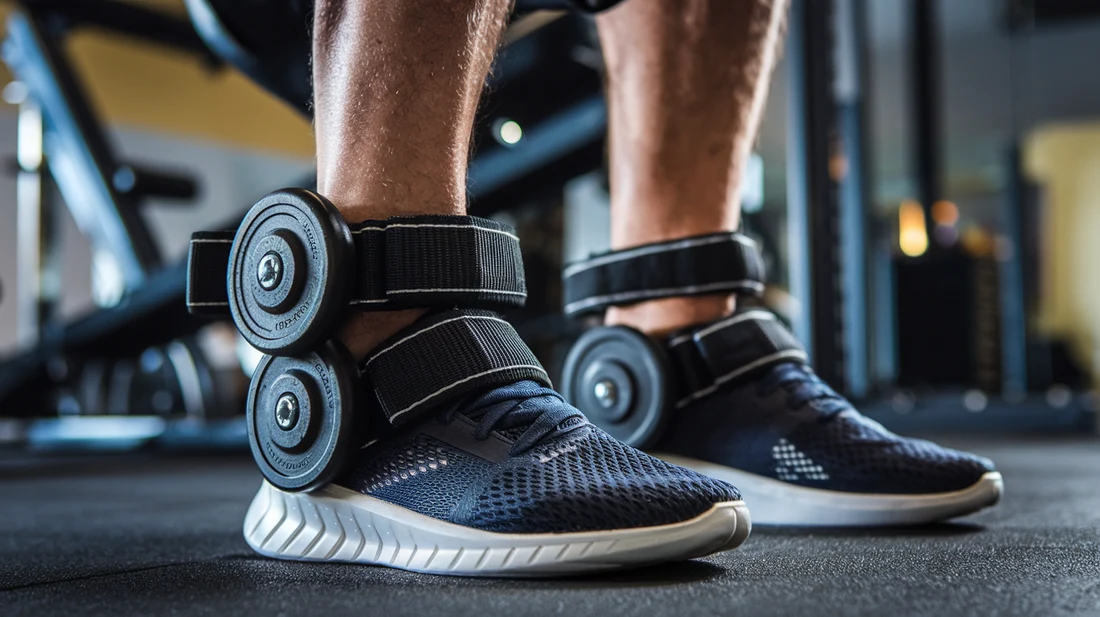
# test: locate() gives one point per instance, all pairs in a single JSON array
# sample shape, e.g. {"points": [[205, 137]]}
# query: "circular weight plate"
{"points": [[290, 272], [303, 417], [620, 380]]}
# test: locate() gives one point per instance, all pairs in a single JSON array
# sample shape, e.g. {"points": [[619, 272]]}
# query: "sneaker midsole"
{"points": [[337, 524], [775, 502]]}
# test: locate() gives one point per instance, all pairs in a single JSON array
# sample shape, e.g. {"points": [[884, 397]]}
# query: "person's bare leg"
{"points": [[396, 86], [687, 81]]}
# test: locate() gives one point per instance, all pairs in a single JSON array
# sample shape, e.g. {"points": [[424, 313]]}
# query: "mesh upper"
{"points": [[590, 482], [579, 480], [420, 473], [860, 455], [814, 445]]}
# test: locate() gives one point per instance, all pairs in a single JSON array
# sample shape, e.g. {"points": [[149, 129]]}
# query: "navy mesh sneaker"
{"points": [[513, 482], [800, 453]]}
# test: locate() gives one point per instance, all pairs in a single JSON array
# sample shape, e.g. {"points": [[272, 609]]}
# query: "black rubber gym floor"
{"points": [[161, 535]]}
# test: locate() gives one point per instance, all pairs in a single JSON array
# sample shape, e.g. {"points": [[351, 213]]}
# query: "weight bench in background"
{"points": [[547, 79]]}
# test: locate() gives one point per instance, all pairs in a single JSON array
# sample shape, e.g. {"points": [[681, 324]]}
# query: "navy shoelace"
{"points": [[802, 387], [539, 411]]}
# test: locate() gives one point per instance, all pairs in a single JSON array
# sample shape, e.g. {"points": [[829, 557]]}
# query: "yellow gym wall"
{"points": [[146, 86], [1065, 161]]}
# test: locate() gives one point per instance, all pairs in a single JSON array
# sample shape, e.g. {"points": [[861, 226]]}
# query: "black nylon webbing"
{"points": [[438, 260], [707, 357], [445, 357], [403, 262], [207, 264], [714, 263]]}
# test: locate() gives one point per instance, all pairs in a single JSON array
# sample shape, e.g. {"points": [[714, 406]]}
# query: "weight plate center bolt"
{"points": [[270, 271], [606, 393], [286, 411]]}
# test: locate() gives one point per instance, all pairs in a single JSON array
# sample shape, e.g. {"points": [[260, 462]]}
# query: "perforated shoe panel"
{"points": [[860, 455], [804, 435], [590, 481], [577, 479], [419, 472]]}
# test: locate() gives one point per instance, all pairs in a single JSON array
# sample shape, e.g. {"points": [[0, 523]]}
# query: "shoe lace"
{"points": [[539, 411], [802, 387]]}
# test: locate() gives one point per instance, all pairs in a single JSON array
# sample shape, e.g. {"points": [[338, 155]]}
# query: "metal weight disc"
{"points": [[290, 272], [302, 417], [620, 380]]}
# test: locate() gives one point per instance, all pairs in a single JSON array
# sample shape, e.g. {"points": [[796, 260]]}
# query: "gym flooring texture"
{"points": [[160, 535]]}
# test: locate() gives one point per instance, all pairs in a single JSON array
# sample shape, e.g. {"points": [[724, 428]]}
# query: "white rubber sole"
{"points": [[779, 503], [334, 524]]}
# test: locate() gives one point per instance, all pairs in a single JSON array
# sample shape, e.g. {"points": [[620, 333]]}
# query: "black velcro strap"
{"points": [[707, 357], [421, 261], [403, 262], [714, 263], [445, 357], [207, 265]]}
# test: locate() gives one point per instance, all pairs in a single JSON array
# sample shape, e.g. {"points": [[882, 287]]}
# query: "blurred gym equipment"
{"points": [[546, 125], [928, 325], [543, 126], [139, 356]]}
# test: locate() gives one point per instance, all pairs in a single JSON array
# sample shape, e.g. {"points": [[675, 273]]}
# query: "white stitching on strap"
{"points": [[753, 314], [437, 226], [734, 374], [650, 250], [431, 327], [628, 296], [457, 289], [439, 290], [462, 381]]}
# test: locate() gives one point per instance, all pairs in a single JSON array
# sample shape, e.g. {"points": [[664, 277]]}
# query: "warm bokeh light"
{"points": [[912, 232], [978, 242], [838, 166], [945, 213]]}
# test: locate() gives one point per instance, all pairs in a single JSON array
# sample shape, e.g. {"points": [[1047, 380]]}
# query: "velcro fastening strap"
{"points": [[714, 263], [420, 261], [207, 263], [445, 357], [707, 357], [403, 262]]}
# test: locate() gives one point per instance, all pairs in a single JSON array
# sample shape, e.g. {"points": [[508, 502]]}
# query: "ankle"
{"points": [[364, 331], [662, 317]]}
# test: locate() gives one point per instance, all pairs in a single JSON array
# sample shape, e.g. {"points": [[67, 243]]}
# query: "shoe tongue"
{"points": [[571, 422], [515, 432], [521, 395], [799, 381], [831, 406], [784, 373]]}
